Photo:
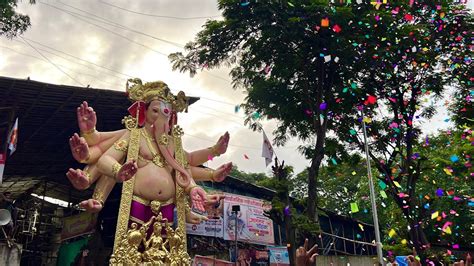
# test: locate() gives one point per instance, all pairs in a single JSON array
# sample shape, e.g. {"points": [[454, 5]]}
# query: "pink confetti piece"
{"points": [[446, 225]]}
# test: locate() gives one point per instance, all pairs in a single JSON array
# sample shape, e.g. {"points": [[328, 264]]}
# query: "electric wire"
{"points": [[78, 58], [115, 24], [126, 38], [70, 60], [97, 65], [104, 28], [159, 16], [51, 62], [97, 79]]}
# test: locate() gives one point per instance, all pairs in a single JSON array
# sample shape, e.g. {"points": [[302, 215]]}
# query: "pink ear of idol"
{"points": [[138, 107]]}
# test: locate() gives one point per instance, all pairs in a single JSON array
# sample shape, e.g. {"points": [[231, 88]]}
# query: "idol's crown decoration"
{"points": [[155, 90]]}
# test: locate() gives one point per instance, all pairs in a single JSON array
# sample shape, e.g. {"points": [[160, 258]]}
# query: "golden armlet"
{"points": [[188, 189], [121, 145], [87, 159], [210, 173], [163, 139], [214, 151], [99, 196], [88, 133], [87, 174], [115, 169]]}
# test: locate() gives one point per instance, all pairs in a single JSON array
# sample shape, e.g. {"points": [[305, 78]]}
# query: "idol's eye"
{"points": [[165, 108]]}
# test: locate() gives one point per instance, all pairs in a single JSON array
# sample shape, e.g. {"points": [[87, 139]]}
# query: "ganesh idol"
{"points": [[147, 156]]}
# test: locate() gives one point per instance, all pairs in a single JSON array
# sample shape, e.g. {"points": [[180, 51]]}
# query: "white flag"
{"points": [[3, 158], [267, 150]]}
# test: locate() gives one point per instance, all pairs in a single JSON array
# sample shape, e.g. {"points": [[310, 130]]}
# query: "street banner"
{"points": [[252, 225], [279, 256]]}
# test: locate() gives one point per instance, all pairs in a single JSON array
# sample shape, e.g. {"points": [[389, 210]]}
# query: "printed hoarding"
{"points": [[251, 224]]}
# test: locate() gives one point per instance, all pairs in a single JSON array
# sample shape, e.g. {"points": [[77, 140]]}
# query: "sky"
{"points": [[103, 43]]}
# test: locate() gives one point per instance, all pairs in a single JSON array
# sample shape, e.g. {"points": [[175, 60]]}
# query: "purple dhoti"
{"points": [[141, 212]]}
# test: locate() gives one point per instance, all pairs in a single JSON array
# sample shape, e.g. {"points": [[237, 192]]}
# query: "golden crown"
{"points": [[156, 90]]}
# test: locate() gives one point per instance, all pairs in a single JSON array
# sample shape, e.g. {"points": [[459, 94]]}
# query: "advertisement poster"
{"points": [[209, 261], [279, 256], [213, 227], [249, 257], [250, 223], [77, 225]]}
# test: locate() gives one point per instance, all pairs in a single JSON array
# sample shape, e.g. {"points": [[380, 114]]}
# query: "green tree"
{"points": [[411, 53], [254, 178], [289, 60], [12, 23]]}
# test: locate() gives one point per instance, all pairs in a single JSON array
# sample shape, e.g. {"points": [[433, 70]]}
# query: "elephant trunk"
{"points": [[183, 180]]}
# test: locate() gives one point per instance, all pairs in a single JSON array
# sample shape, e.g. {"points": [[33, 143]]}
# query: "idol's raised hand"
{"points": [[198, 198], [221, 173], [86, 117], [222, 143], [79, 148], [127, 171]]}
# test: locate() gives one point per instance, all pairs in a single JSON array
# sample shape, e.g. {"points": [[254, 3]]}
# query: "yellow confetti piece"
{"points": [[354, 172], [447, 171], [447, 230], [392, 233], [367, 119], [383, 194], [397, 184], [434, 215], [361, 227], [404, 241]]}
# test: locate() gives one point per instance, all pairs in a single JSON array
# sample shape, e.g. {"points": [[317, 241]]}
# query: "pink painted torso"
{"points": [[153, 182]]}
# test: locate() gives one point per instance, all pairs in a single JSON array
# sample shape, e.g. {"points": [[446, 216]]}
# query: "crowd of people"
{"points": [[306, 256]]}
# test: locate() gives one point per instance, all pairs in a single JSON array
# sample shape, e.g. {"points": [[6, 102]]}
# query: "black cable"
{"points": [[51, 62], [159, 16]]}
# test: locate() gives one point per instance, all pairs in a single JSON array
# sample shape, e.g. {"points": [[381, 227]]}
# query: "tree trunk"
{"points": [[418, 237], [313, 174], [290, 239]]}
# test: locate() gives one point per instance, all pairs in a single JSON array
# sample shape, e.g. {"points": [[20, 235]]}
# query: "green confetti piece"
{"points": [[382, 184], [354, 207]]}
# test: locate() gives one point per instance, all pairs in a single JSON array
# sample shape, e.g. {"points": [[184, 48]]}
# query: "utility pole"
{"points": [[235, 211], [378, 243]]}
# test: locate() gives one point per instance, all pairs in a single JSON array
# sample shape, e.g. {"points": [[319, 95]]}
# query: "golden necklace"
{"points": [[157, 159]]}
